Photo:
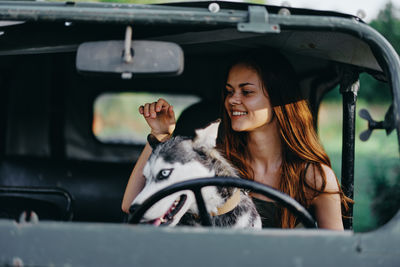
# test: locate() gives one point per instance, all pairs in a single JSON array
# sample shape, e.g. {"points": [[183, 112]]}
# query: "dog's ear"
{"points": [[207, 136], [153, 141]]}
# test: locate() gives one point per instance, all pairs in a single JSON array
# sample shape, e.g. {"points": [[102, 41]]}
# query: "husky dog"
{"points": [[180, 159]]}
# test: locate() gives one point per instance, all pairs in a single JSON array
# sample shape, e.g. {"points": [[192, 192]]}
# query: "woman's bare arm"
{"points": [[161, 119], [327, 205], [136, 180]]}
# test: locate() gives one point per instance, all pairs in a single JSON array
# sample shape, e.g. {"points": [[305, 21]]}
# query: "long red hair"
{"points": [[300, 144]]}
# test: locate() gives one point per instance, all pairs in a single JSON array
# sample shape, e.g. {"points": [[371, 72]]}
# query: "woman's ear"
{"points": [[153, 141]]}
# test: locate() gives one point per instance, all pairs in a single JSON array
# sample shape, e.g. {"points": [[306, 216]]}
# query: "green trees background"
{"points": [[386, 199], [388, 24]]}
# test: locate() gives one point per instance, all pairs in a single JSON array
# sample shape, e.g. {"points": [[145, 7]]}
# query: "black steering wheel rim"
{"points": [[195, 185]]}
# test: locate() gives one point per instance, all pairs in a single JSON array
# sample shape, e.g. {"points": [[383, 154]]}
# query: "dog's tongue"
{"points": [[157, 222]]}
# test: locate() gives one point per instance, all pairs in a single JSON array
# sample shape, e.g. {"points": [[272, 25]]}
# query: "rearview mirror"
{"points": [[148, 57]]}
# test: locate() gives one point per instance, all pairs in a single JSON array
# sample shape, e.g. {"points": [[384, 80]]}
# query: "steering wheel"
{"points": [[196, 185]]}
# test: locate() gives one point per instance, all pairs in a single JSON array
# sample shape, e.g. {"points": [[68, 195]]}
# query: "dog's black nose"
{"points": [[133, 208]]}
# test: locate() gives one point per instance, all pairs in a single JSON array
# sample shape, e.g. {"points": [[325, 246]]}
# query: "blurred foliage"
{"points": [[379, 150], [384, 173], [388, 24], [386, 190]]}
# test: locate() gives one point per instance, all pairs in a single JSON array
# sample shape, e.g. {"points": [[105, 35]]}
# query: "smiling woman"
{"points": [[270, 138]]}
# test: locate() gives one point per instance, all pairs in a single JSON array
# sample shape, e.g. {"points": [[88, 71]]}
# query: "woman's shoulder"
{"points": [[322, 178]]}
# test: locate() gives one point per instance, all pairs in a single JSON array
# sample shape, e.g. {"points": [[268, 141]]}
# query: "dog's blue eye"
{"points": [[164, 174]]}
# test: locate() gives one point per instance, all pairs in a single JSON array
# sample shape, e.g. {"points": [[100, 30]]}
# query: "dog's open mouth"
{"points": [[166, 219]]}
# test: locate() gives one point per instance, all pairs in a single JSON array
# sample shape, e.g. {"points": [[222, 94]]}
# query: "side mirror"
{"points": [[148, 58]]}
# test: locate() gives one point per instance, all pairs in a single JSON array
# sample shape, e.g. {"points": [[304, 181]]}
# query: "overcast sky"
{"points": [[370, 7]]}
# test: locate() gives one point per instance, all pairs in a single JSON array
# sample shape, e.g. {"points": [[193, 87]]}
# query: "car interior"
{"points": [[52, 161]]}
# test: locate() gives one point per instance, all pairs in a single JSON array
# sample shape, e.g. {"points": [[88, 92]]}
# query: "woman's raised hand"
{"points": [[160, 117]]}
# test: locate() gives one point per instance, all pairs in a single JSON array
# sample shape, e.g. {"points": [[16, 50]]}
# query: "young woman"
{"points": [[269, 136]]}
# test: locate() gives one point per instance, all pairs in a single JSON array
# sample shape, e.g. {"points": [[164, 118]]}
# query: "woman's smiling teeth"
{"points": [[238, 113]]}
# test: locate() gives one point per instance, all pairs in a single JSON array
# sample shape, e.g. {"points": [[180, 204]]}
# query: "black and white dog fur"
{"points": [[180, 159]]}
